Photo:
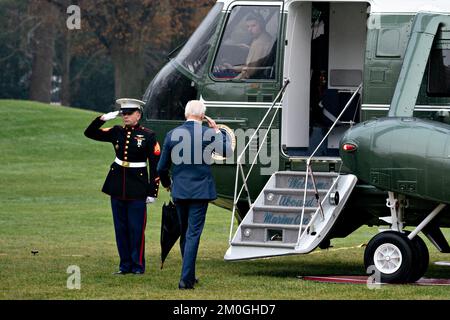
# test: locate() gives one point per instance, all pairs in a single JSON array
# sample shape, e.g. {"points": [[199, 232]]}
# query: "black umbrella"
{"points": [[170, 229]]}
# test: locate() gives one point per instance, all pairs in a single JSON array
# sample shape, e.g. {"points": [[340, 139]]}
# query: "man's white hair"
{"points": [[194, 108]]}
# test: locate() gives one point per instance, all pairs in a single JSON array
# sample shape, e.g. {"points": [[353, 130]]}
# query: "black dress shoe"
{"points": [[120, 273], [139, 273], [197, 280], [183, 286]]}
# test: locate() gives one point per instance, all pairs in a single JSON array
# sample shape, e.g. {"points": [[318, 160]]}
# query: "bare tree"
{"points": [[44, 16], [127, 28], [135, 35]]}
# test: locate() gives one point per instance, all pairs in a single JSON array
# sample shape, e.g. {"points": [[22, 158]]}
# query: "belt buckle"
{"points": [[125, 164]]}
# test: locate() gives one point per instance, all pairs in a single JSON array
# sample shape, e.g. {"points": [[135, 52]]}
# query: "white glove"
{"points": [[109, 115], [150, 200]]}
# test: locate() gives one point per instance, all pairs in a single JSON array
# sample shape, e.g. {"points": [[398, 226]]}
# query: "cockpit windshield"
{"points": [[195, 52], [170, 90]]}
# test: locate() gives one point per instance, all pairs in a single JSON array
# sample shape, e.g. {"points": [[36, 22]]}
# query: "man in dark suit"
{"points": [[129, 183], [188, 149]]}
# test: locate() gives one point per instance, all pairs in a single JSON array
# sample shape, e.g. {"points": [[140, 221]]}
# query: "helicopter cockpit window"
{"points": [[439, 73], [249, 44], [194, 54]]}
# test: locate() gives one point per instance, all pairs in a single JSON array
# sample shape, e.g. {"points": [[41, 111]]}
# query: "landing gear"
{"points": [[391, 253], [422, 259], [399, 256], [396, 258]]}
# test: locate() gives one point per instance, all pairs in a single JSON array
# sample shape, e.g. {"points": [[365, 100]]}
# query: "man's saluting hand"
{"points": [[109, 116]]}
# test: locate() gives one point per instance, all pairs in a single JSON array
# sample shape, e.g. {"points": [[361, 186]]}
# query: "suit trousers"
{"points": [[130, 218], [191, 214]]}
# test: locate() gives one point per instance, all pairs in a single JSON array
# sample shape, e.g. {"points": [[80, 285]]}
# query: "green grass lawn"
{"points": [[50, 201]]}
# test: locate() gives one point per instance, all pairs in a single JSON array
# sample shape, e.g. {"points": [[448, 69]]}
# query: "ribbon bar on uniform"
{"points": [[127, 164]]}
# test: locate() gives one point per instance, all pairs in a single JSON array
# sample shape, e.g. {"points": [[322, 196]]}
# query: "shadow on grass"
{"points": [[435, 271], [295, 269], [292, 268]]}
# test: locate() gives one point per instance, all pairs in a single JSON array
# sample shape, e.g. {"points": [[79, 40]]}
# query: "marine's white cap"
{"points": [[130, 104]]}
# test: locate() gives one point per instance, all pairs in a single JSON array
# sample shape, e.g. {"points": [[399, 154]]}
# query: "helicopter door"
{"points": [[324, 61], [295, 118]]}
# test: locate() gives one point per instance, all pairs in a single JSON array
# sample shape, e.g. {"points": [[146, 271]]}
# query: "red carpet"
{"points": [[363, 280]]}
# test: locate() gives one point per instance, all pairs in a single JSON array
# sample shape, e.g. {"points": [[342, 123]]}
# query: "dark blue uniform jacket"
{"points": [[131, 144]]}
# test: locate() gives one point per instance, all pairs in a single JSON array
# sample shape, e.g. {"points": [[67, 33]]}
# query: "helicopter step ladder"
{"points": [[295, 210], [286, 205]]}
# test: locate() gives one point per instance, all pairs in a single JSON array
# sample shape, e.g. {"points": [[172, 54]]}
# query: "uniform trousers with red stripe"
{"points": [[130, 218]]}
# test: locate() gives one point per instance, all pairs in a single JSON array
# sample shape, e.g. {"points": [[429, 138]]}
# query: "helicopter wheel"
{"points": [[422, 259], [392, 254]]}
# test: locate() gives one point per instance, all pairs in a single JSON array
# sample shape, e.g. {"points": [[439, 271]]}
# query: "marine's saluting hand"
{"points": [[109, 116]]}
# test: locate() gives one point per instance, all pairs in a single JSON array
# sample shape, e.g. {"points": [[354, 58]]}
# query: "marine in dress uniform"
{"points": [[129, 183]]}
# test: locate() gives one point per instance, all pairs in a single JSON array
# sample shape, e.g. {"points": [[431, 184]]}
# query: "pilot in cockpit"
{"points": [[259, 51]]}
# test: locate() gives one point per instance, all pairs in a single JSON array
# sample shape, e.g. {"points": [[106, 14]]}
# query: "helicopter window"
{"points": [[439, 73], [194, 54], [249, 44], [389, 42]]}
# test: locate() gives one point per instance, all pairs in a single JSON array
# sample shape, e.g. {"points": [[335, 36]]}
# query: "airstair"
{"points": [[295, 210], [283, 209]]}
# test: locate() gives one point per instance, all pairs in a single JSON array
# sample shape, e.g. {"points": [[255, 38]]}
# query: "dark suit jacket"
{"points": [[188, 149], [134, 144]]}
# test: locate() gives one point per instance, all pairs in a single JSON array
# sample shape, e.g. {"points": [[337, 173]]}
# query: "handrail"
{"points": [[336, 121], [309, 170], [239, 167]]}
